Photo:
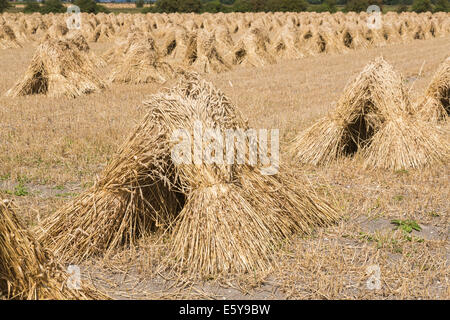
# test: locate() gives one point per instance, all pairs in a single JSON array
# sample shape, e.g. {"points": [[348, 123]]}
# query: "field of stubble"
{"points": [[51, 149]]}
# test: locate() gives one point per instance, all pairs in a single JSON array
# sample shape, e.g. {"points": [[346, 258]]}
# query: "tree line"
{"points": [[56, 6], [214, 6]]}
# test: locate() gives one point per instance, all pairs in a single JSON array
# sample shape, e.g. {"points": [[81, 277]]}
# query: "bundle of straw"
{"points": [[130, 199], [373, 115], [252, 49], [20, 30], [435, 105], [57, 30], [180, 47], [103, 33], [79, 41], [351, 38], [141, 63], [221, 217], [286, 44], [8, 38], [208, 59], [58, 68], [27, 271]]}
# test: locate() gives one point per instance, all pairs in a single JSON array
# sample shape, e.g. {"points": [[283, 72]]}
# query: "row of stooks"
{"points": [[63, 64], [233, 39], [220, 219], [104, 27]]}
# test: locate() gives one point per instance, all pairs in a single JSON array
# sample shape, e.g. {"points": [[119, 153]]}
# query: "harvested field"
{"points": [[85, 155]]}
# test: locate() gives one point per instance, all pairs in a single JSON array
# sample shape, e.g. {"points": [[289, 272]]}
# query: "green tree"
{"points": [[189, 6], [250, 6], [213, 7], [356, 5], [422, 6], [167, 6], [90, 6], [31, 6], [327, 5], [296, 5], [4, 4], [151, 9], [54, 6], [442, 6], [286, 5], [242, 6], [378, 3], [170, 6], [139, 3], [403, 6]]}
